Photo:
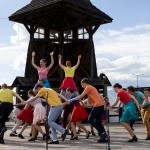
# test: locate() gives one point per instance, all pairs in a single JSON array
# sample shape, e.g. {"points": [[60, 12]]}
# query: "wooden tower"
{"points": [[65, 27]]}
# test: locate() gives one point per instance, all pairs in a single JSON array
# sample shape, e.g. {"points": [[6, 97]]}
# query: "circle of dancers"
{"points": [[72, 106]]}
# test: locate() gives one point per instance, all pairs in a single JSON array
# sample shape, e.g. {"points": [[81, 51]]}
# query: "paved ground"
{"points": [[118, 141]]}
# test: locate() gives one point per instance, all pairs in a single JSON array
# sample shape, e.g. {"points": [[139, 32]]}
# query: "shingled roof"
{"points": [[37, 8], [36, 4]]}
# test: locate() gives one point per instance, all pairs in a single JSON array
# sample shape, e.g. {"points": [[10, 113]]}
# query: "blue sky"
{"points": [[125, 12], [122, 47]]}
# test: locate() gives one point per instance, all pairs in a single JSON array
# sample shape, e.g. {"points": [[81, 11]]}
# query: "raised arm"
{"points": [[52, 60], [78, 62], [60, 61], [33, 63]]}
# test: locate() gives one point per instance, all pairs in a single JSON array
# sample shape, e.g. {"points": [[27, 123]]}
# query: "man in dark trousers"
{"points": [[98, 108], [6, 106]]}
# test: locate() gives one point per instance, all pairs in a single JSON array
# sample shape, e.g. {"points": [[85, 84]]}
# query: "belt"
{"points": [[56, 106]]}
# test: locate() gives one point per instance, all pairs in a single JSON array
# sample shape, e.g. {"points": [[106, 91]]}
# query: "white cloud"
{"points": [[128, 41], [2, 44], [20, 62], [119, 54], [123, 52], [21, 37], [13, 55]]}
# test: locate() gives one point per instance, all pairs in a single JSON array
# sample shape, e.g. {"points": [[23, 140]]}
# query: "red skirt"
{"points": [[26, 114], [78, 113], [68, 82]]}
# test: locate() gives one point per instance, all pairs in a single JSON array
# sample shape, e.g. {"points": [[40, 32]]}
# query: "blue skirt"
{"points": [[46, 83], [129, 112]]}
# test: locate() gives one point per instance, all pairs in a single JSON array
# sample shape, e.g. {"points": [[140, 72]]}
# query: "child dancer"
{"points": [[78, 114]]}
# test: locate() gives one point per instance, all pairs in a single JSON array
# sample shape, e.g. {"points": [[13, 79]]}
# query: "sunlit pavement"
{"points": [[118, 141]]}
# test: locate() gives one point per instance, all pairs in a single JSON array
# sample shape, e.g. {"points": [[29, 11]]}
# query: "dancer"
{"points": [[140, 97], [26, 115], [137, 94], [88, 106], [78, 114], [43, 70], [18, 122], [98, 107], [66, 113], [53, 99], [39, 114], [145, 112], [129, 109], [68, 82], [6, 106], [104, 116]]}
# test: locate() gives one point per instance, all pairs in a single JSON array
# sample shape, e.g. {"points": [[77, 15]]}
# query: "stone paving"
{"points": [[118, 141]]}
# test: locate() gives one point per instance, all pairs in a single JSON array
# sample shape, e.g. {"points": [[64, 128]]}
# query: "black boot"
{"points": [[3, 130], [53, 142], [134, 139], [103, 138], [1, 127], [64, 135], [2, 140], [148, 138]]}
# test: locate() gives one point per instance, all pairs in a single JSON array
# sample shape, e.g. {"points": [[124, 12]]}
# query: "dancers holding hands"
{"points": [[54, 100], [76, 109], [98, 107]]}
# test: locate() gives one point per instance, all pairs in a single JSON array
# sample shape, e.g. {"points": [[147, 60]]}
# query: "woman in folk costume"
{"points": [[68, 82], [43, 70]]}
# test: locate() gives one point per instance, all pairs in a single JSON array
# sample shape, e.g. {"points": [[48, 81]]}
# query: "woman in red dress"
{"points": [[68, 82], [78, 114], [26, 115]]}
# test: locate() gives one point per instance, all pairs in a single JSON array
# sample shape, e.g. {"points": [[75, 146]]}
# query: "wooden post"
{"points": [[75, 34], [61, 36], [29, 71]]}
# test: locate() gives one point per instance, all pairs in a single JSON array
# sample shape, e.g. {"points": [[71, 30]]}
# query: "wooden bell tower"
{"points": [[65, 27]]}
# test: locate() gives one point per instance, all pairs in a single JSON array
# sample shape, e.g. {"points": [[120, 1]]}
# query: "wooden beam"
{"points": [[95, 29], [27, 27], [31, 28]]}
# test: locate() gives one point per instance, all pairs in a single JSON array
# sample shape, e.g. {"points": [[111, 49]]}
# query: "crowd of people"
{"points": [[71, 106]]}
